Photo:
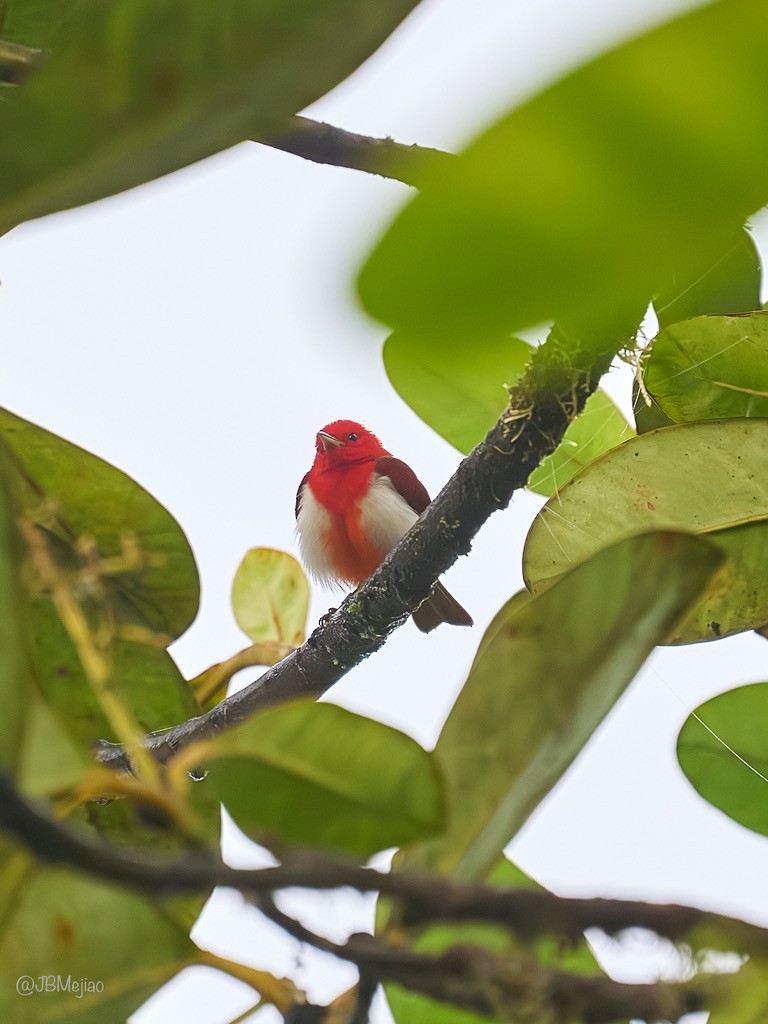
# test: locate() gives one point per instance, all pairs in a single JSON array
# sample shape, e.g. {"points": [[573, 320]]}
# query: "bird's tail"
{"points": [[440, 607]]}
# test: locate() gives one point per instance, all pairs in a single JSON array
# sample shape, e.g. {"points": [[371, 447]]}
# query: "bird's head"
{"points": [[345, 441]]}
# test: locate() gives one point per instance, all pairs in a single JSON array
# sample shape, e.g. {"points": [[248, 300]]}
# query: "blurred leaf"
{"points": [[711, 367], [552, 215], [542, 683], [143, 87], [599, 428], [16, 676], [729, 764], [127, 569], [270, 597], [743, 997], [49, 760], [64, 924], [33, 22], [456, 385], [286, 774], [78, 496], [731, 285], [705, 477]]}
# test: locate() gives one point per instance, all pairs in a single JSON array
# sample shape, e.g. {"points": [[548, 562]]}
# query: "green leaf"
{"points": [[455, 384], [270, 597], [126, 568], [599, 428], [552, 215], [143, 87], [79, 497], [711, 367], [731, 285], [722, 751], [708, 478], [33, 23], [542, 682], [286, 775], [63, 924], [742, 998]]}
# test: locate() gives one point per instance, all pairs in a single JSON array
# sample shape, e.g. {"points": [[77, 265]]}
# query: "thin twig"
{"points": [[325, 144]]}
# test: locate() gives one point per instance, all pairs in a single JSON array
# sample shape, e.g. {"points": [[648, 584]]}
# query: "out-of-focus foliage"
{"points": [[594, 195], [135, 89], [459, 387]]}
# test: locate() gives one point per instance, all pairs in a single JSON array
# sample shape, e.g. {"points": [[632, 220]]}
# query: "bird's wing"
{"points": [[302, 485], [405, 482]]}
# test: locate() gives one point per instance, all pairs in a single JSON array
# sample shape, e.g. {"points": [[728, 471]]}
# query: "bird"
{"points": [[352, 508]]}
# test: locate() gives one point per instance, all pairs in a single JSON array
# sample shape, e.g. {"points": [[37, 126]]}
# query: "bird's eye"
{"points": [[351, 437]]}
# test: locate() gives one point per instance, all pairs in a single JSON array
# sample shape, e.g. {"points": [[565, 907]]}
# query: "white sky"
{"points": [[198, 331]]}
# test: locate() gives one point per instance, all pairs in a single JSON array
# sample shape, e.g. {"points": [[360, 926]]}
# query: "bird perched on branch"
{"points": [[352, 508]]}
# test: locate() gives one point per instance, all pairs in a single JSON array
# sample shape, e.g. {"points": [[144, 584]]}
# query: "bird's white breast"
{"points": [[314, 522], [385, 514]]}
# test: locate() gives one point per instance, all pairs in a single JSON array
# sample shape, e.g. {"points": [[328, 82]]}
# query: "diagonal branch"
{"points": [[326, 144], [550, 394]]}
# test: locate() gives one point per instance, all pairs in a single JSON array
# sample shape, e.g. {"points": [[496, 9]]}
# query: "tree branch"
{"points": [[510, 987], [547, 398], [325, 144], [527, 913]]}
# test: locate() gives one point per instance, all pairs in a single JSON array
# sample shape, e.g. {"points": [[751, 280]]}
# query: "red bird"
{"points": [[352, 508]]}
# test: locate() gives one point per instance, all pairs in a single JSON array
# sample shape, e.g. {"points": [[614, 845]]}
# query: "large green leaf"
{"points": [[592, 196], [270, 597], [458, 387], [60, 924], [125, 566], [710, 367], [33, 23], [722, 750], [286, 775], [708, 478], [455, 384], [143, 87], [547, 674], [78, 497], [730, 285]]}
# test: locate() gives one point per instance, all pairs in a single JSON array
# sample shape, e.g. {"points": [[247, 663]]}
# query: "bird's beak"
{"points": [[328, 440]]}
